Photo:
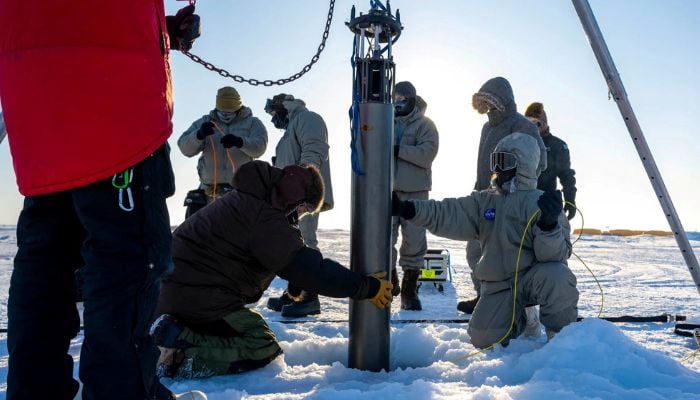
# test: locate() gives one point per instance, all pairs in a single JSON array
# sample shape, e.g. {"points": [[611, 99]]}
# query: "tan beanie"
{"points": [[228, 99]]}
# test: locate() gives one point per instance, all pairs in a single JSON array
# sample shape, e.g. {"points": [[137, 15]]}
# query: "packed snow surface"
{"points": [[641, 276]]}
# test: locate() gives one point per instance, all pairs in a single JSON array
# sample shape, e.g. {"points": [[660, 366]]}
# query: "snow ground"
{"points": [[643, 275]]}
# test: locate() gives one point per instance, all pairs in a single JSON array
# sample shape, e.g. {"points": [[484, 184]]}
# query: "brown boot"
{"points": [[409, 290], [396, 290]]}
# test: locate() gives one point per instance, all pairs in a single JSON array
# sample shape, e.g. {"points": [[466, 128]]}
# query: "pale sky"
{"points": [[448, 50]]}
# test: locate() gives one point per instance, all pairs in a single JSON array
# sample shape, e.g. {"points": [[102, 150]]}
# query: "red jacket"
{"points": [[85, 88]]}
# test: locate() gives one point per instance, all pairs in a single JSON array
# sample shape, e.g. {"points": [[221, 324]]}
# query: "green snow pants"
{"points": [[250, 345]]}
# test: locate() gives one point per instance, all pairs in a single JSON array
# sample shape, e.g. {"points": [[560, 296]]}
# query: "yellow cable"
{"points": [[515, 294], [602, 297], [515, 282], [692, 355], [582, 221]]}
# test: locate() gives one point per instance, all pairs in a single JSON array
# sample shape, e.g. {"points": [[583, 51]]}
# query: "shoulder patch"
{"points": [[565, 147], [490, 214]]}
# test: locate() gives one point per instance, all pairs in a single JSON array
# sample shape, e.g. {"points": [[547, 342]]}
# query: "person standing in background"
{"points": [[558, 161], [305, 141], [495, 99], [228, 137], [95, 172], [416, 143]]}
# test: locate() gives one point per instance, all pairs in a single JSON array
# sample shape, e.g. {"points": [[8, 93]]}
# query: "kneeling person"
{"points": [[497, 217], [226, 255]]}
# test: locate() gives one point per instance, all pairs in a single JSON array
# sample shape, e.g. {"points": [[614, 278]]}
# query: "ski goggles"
{"points": [[503, 161], [269, 106], [273, 105]]}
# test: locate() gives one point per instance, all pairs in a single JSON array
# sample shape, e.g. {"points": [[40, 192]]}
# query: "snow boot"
{"points": [[191, 395], [309, 305], [532, 326], [468, 306], [396, 290], [276, 303], [550, 334], [409, 290]]}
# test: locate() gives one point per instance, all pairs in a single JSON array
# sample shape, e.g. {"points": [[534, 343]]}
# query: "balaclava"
{"points": [[407, 90], [281, 118]]}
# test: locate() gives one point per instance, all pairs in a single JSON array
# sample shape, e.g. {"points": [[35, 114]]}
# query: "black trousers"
{"points": [[122, 254]]}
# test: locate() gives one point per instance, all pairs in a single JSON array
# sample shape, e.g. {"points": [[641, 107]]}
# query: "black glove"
{"points": [[550, 205], [396, 150], [570, 210], [183, 28], [205, 130], [273, 159], [400, 208], [231, 141]]}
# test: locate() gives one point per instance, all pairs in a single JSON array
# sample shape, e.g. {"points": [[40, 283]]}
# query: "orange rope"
{"points": [[228, 154], [213, 152]]}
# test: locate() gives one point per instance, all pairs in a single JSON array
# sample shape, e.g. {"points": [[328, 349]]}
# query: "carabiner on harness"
{"points": [[122, 181]]}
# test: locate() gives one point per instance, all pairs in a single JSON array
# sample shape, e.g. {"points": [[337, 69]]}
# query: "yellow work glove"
{"points": [[383, 297]]}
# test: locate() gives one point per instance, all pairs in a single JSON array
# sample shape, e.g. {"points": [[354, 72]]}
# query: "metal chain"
{"points": [[269, 82]]}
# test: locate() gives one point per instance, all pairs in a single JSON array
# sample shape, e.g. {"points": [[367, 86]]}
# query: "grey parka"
{"points": [[500, 125], [244, 125], [305, 141], [498, 220], [418, 142]]}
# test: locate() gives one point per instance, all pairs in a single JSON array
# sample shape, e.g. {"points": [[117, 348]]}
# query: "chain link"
{"points": [[269, 82]]}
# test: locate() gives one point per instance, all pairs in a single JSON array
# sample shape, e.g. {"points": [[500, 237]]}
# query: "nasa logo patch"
{"points": [[490, 214]]}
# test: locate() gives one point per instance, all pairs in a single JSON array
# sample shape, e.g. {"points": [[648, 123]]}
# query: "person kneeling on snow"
{"points": [[497, 217], [227, 254]]}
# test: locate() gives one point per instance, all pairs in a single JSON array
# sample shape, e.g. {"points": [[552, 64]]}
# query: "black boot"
{"points": [[309, 305], [468, 306], [276, 303], [409, 290], [396, 290]]}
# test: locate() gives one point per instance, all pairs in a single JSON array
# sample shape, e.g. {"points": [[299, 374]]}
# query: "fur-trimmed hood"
{"points": [[500, 88]]}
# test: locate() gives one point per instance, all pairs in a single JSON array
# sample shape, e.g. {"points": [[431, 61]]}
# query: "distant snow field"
{"points": [[641, 276]]}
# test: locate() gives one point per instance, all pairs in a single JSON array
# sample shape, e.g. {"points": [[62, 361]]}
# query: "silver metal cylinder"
{"points": [[370, 242]]}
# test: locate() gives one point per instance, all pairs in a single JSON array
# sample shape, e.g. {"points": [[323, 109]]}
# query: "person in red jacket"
{"points": [[95, 172]]}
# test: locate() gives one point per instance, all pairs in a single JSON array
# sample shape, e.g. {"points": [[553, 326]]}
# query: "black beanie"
{"points": [[405, 89]]}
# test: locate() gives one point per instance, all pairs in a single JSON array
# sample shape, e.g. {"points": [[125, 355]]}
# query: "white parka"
{"points": [[499, 220], [216, 160], [305, 141]]}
